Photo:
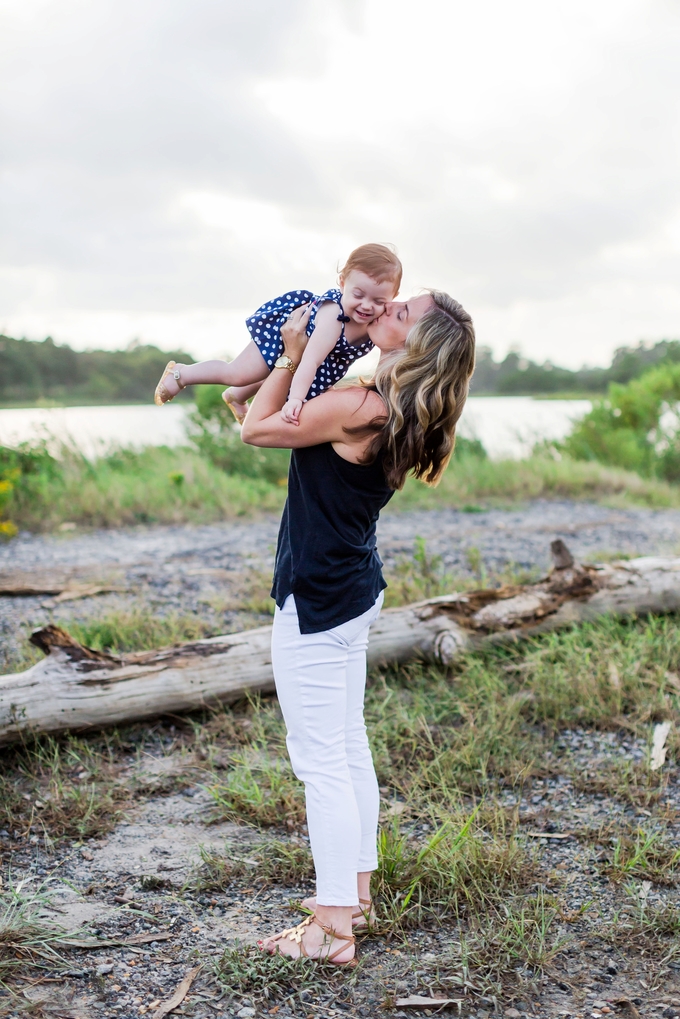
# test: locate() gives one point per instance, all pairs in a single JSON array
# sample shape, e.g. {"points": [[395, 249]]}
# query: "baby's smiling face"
{"points": [[363, 299]]}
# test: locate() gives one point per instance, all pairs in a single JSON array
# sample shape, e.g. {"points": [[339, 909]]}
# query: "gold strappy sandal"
{"points": [[237, 414], [161, 395], [296, 934]]}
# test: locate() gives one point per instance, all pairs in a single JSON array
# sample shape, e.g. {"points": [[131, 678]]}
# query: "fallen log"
{"points": [[65, 585], [75, 687]]}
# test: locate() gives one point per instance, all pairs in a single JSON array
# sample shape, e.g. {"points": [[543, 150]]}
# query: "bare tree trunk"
{"points": [[77, 688]]}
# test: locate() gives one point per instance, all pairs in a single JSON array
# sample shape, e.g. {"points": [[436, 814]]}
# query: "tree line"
{"points": [[517, 376], [32, 371], [43, 370]]}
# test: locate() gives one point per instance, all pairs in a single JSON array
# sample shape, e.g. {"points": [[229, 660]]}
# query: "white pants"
{"points": [[320, 682]]}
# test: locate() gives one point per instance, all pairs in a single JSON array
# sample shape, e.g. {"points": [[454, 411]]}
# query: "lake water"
{"points": [[508, 426]]}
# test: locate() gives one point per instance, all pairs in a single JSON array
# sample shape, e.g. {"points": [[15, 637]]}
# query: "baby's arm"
{"points": [[326, 333]]}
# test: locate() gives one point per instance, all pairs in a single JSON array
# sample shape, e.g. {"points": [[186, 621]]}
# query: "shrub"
{"points": [[636, 427], [216, 436]]}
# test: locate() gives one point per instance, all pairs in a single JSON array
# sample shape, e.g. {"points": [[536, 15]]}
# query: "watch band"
{"points": [[286, 362]]}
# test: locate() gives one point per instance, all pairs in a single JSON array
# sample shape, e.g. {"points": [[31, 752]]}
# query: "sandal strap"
{"points": [[331, 933], [296, 934]]}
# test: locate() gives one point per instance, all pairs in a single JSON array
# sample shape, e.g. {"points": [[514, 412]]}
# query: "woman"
{"points": [[352, 448]]}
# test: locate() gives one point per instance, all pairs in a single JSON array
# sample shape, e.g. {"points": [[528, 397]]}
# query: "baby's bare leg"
{"points": [[248, 367], [236, 399], [239, 394]]}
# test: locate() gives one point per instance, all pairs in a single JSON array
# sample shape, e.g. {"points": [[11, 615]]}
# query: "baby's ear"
{"points": [[341, 281]]}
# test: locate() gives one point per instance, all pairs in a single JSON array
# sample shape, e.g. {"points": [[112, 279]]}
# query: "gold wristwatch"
{"points": [[285, 362]]}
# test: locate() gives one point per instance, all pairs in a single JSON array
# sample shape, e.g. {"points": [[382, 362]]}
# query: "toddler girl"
{"points": [[337, 330]]}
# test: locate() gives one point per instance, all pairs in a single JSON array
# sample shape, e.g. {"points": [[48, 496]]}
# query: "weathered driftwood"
{"points": [[76, 688], [64, 585]]}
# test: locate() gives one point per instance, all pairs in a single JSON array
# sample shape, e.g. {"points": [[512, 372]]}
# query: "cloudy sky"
{"points": [[167, 165]]}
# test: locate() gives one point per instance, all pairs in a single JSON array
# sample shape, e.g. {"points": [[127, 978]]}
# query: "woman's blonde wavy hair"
{"points": [[424, 387]]}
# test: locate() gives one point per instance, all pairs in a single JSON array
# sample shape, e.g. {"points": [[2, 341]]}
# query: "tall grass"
{"points": [[159, 485], [125, 487]]}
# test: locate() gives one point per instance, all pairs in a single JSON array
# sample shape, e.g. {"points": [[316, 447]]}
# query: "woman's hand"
{"points": [[294, 332]]}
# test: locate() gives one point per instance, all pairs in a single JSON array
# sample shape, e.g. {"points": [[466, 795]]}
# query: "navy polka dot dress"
{"points": [[265, 328]]}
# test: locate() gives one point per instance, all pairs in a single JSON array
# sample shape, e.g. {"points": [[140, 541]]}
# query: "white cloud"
{"points": [[168, 164]]}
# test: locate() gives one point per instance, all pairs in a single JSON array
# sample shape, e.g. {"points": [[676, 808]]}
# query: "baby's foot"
{"points": [[170, 383], [239, 410]]}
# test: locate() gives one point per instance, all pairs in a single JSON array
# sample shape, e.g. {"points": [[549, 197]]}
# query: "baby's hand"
{"points": [[291, 411]]}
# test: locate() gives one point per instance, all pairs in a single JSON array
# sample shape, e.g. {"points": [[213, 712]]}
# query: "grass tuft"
{"points": [[457, 869], [271, 862], [55, 788], [245, 969], [504, 950], [261, 789]]}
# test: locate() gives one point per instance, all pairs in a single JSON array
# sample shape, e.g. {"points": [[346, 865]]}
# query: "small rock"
{"points": [[246, 1013], [611, 968], [669, 1013], [103, 970], [512, 1013], [86, 854], [600, 1004]]}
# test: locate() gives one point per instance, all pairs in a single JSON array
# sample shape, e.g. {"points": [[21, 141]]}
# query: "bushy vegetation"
{"points": [[216, 436], [625, 451], [32, 372], [637, 426], [127, 487], [223, 479]]}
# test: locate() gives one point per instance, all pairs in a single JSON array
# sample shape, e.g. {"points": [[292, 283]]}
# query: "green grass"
{"points": [[470, 480], [155, 486], [504, 949], [464, 866], [25, 940], [273, 861], [160, 485], [454, 751], [138, 629], [245, 969], [56, 788], [644, 855], [652, 930]]}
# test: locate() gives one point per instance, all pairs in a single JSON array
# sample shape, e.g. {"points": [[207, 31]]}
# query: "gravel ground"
{"points": [[97, 888], [200, 570], [205, 570]]}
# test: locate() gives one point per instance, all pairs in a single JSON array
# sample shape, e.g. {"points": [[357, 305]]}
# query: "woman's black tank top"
{"points": [[326, 554]]}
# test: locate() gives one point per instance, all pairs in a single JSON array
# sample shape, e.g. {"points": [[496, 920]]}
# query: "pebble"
{"points": [[245, 1013]]}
